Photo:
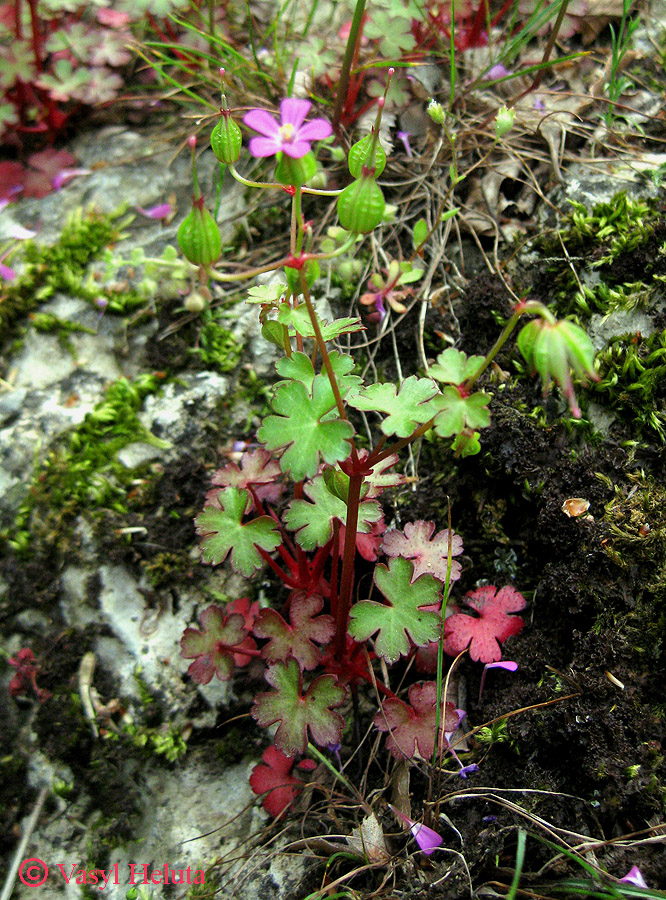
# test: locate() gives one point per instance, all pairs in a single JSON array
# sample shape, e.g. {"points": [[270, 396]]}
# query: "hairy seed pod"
{"points": [[361, 205]]}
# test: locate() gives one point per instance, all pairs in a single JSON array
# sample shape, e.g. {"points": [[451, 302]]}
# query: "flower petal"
{"points": [[262, 121], [296, 149], [293, 111], [7, 273], [316, 130], [634, 876], [427, 839], [264, 146]]}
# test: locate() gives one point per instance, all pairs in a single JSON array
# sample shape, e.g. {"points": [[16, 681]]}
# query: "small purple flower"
{"points": [[509, 665], [497, 72], [404, 137], [634, 876], [156, 212], [65, 175], [291, 136], [427, 839], [5, 272]]}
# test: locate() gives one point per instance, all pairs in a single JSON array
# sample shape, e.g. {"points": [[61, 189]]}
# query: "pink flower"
{"points": [[634, 876], [427, 839], [291, 136]]}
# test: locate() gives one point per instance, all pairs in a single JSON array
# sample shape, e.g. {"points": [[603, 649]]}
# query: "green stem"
{"points": [[531, 306], [350, 50], [317, 754]]}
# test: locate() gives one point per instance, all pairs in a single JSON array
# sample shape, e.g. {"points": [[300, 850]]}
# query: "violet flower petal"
{"points": [[156, 212], [427, 839], [264, 146], [293, 111], [634, 876], [19, 233], [296, 149], [404, 137], [65, 175], [7, 273], [262, 121], [316, 130]]}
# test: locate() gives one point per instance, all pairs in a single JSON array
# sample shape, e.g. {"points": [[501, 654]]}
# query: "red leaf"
{"points": [[44, 166], [493, 626], [12, 176], [275, 777], [412, 727], [249, 612], [212, 649], [298, 638]]}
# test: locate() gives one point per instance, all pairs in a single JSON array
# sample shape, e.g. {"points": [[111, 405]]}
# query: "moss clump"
{"points": [[633, 382], [82, 469], [60, 267], [216, 346]]}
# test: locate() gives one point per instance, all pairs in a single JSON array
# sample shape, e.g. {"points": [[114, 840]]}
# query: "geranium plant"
{"points": [[306, 502]]}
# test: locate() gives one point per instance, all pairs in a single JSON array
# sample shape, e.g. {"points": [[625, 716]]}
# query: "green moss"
{"points": [[82, 469], [60, 267], [633, 374], [216, 346]]}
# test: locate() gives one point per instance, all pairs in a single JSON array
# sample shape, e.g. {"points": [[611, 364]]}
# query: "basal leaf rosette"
{"points": [[401, 619], [301, 715]]}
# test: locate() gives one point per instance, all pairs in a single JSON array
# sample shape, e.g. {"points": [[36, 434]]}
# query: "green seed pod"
{"points": [[361, 205], [226, 140], [580, 349], [199, 237], [311, 270], [358, 157], [295, 172], [526, 340]]}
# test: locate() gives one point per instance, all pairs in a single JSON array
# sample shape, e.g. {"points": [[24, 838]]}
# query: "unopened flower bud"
{"points": [[361, 205], [436, 112], [311, 270], [504, 121], [195, 302]]}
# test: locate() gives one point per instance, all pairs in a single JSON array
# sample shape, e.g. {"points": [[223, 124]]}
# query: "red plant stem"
{"points": [[472, 38], [246, 651], [290, 582], [348, 561], [319, 561], [36, 36], [335, 562], [381, 687]]}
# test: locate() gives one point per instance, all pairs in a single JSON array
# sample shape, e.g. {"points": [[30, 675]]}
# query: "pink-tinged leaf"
{"points": [[430, 554], [275, 776], [298, 639], [12, 176], [113, 18], [258, 470], [213, 648], [19, 233], [380, 478], [367, 544], [44, 167], [411, 726], [300, 713], [493, 626]]}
